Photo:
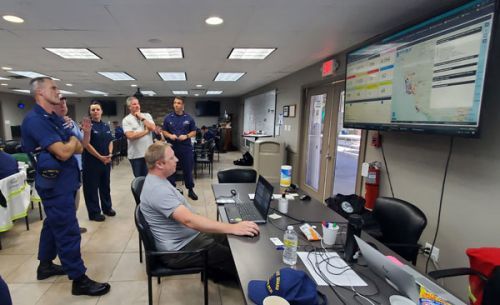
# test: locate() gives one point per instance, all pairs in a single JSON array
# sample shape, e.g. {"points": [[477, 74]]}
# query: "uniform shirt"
{"points": [[159, 199], [40, 129], [8, 165], [179, 125], [208, 135], [119, 133], [137, 147], [100, 137]]}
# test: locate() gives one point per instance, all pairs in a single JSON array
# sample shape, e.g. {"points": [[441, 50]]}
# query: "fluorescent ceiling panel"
{"points": [[250, 53], [64, 92], [29, 74], [117, 76], [162, 53], [228, 76], [214, 92], [173, 76], [4, 78], [148, 92], [73, 53], [96, 92], [180, 92], [22, 91]]}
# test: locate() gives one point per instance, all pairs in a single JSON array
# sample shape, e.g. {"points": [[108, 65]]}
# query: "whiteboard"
{"points": [[260, 113]]}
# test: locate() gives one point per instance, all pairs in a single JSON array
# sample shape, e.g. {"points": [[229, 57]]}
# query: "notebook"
{"points": [[255, 211]]}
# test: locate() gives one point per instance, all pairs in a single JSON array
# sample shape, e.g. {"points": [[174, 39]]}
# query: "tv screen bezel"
{"points": [[426, 128]]}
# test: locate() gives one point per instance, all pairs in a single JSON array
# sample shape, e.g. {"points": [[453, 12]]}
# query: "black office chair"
{"points": [[491, 291], [237, 175], [398, 225], [136, 187], [205, 157], [154, 266]]}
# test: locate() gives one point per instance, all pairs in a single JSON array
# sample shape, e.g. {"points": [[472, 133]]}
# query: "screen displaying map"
{"points": [[427, 78]]}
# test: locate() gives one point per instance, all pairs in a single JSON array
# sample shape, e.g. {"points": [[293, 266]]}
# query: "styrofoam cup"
{"points": [[330, 234], [274, 300]]}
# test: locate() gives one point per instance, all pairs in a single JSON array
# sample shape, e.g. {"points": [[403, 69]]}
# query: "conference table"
{"points": [[257, 258]]}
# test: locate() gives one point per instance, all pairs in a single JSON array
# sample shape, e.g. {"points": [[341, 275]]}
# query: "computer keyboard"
{"points": [[248, 212]]}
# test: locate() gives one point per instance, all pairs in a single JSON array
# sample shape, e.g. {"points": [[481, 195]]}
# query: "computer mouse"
{"points": [[233, 192], [305, 197]]}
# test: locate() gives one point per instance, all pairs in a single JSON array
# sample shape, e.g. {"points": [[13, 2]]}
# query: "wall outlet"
{"points": [[434, 254]]}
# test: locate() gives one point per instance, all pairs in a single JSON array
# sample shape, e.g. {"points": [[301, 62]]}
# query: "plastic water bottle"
{"points": [[291, 241]]}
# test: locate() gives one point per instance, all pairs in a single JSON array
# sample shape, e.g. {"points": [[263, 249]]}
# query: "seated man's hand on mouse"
{"points": [[245, 228]]}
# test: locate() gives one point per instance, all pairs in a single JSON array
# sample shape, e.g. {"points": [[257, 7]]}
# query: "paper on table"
{"points": [[276, 196], [274, 216], [347, 278]]}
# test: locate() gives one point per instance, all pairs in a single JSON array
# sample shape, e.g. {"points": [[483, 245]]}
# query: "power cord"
{"points": [[440, 203], [386, 167]]}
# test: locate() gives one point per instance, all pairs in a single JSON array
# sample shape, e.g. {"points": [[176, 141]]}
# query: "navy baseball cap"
{"points": [[295, 286]]}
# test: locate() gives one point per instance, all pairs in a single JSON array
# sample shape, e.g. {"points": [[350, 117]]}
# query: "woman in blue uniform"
{"points": [[97, 166]]}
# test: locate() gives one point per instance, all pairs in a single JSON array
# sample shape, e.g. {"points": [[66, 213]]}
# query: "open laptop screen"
{"points": [[263, 196]]}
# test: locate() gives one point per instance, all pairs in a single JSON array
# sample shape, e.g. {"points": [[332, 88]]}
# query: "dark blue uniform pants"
{"points": [[139, 167], [60, 235], [186, 160], [96, 185]]}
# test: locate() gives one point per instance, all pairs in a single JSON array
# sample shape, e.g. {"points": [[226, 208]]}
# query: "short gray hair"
{"points": [[36, 82], [155, 152], [130, 99]]}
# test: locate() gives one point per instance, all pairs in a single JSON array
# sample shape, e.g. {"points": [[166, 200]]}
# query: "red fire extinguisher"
{"points": [[372, 182]]}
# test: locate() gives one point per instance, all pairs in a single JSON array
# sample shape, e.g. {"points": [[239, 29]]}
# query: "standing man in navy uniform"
{"points": [[178, 128], [57, 179], [97, 166]]}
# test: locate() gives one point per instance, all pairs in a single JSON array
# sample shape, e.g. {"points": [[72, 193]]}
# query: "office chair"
{"points": [[491, 291], [237, 175], [398, 225], [154, 266], [136, 187]]}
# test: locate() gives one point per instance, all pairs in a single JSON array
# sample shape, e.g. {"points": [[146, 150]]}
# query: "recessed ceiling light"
{"points": [[162, 53], [173, 76], [250, 53], [69, 85], [228, 76], [196, 94], [22, 91], [199, 86], [214, 20], [6, 68], [214, 92], [96, 92], [4, 84], [180, 92], [148, 92], [117, 76], [29, 74], [13, 19], [133, 85], [73, 53], [66, 92], [4, 78]]}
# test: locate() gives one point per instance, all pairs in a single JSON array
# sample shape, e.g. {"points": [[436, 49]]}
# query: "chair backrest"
{"points": [[136, 187], [399, 220], [237, 175], [147, 239], [491, 293]]}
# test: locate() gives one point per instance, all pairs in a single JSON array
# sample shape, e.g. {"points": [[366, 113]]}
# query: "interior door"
{"points": [[317, 158]]}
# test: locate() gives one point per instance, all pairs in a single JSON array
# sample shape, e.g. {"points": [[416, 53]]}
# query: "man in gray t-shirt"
{"points": [[175, 226]]}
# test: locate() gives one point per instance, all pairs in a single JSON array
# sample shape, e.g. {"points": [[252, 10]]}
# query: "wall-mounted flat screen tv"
{"points": [[426, 78], [207, 108]]}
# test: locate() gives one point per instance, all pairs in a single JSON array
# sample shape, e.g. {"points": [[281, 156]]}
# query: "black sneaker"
{"points": [[83, 230], [46, 270], [98, 218], [86, 286], [192, 195], [110, 213]]}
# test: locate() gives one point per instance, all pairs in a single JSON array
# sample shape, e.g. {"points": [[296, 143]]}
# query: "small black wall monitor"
{"points": [[207, 108], [426, 78], [108, 108]]}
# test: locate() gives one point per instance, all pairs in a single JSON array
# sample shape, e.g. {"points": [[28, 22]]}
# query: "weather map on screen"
{"points": [[426, 78]]}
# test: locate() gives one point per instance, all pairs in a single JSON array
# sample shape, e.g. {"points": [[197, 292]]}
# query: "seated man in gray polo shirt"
{"points": [[174, 224]]}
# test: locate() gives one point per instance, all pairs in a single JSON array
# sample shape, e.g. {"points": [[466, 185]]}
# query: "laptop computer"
{"points": [[399, 277], [255, 211]]}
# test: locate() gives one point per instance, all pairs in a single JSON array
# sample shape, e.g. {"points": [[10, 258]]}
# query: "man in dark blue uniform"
{"points": [[97, 166], [57, 179], [207, 134], [178, 128]]}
